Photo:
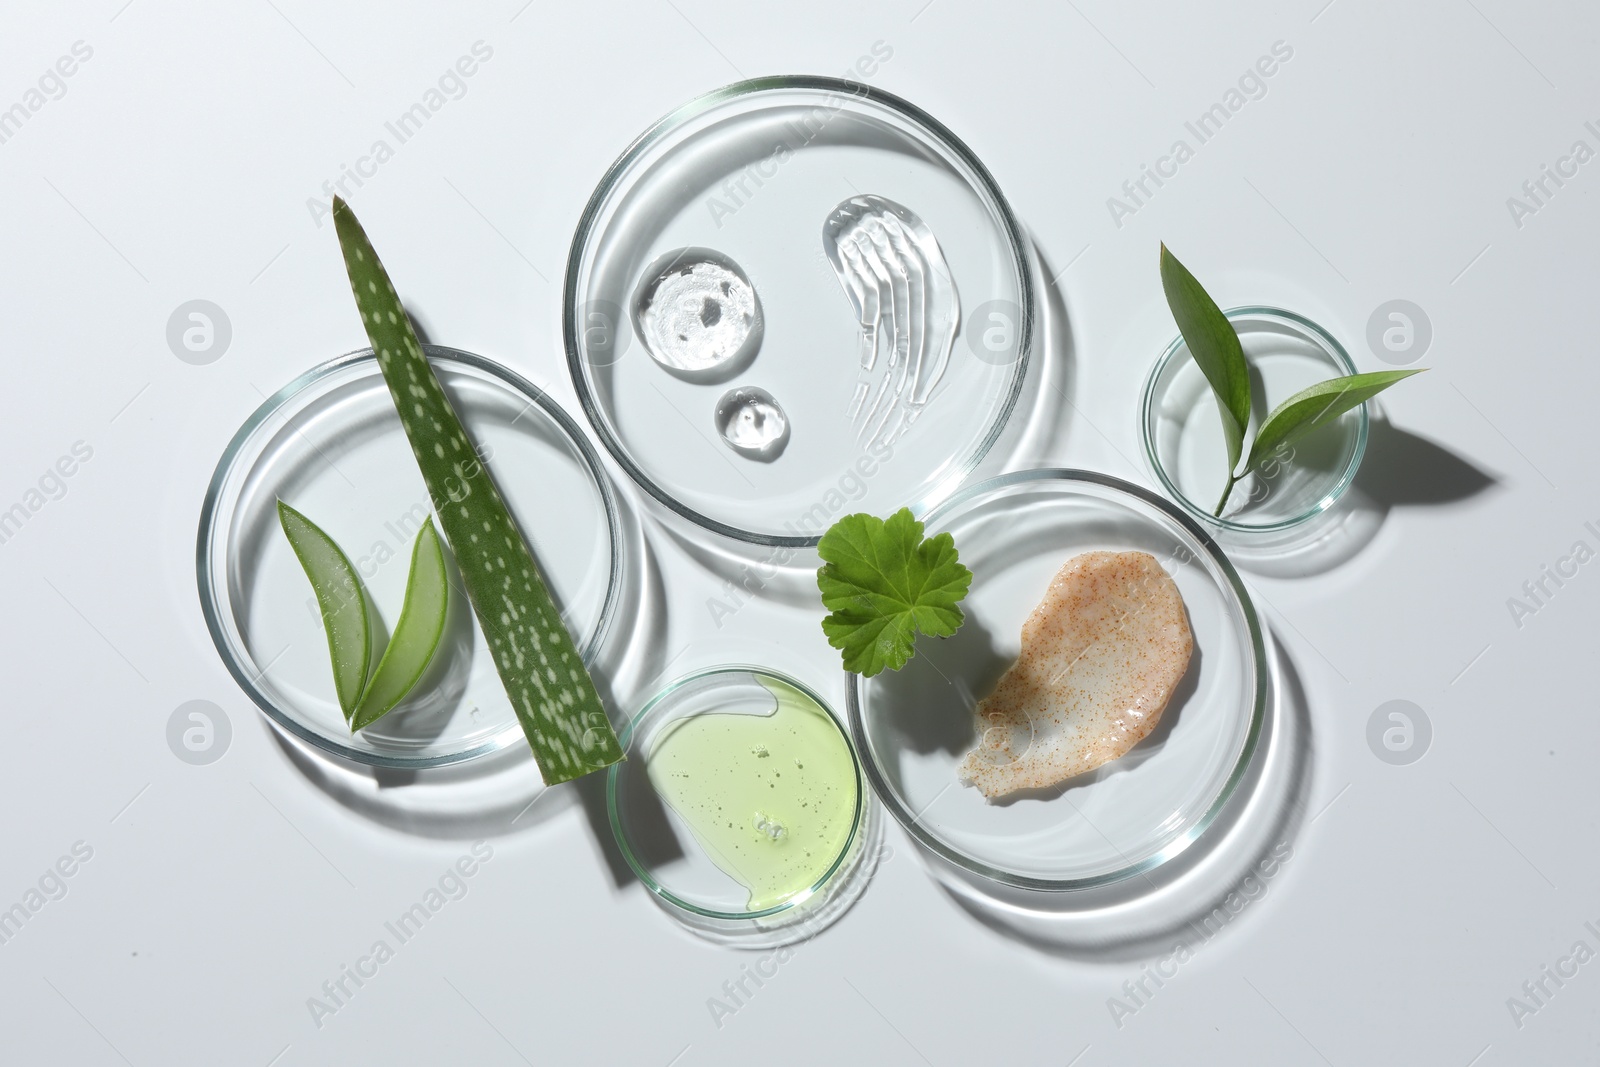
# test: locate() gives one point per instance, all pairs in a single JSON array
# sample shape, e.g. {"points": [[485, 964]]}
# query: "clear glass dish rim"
{"points": [[1258, 658], [666, 125], [642, 870], [1329, 498], [210, 601]]}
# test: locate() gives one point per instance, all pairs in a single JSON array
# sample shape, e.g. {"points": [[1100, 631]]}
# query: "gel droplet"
{"points": [[752, 423], [697, 313]]}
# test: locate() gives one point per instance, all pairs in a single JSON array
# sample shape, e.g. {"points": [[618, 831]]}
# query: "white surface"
{"points": [[218, 899]]}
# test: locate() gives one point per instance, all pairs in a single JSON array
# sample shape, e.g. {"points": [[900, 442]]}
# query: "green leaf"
{"points": [[883, 583], [550, 689], [340, 598], [1317, 406], [416, 634], [1215, 348]]}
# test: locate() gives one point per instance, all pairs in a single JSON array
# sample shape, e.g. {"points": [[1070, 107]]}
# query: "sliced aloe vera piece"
{"points": [[341, 600], [550, 689], [416, 635]]}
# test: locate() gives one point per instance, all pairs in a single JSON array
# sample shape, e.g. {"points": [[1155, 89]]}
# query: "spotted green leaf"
{"points": [[550, 689]]}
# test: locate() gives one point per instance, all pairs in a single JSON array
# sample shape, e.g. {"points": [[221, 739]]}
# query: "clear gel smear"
{"points": [[895, 275]]}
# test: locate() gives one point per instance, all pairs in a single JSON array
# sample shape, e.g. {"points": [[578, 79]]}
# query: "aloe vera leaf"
{"points": [[1312, 408], [341, 600], [550, 689], [416, 634]]}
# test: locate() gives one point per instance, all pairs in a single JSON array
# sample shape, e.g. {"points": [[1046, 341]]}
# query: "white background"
{"points": [[177, 165]]}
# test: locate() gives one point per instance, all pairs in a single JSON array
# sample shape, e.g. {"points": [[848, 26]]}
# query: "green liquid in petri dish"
{"points": [[770, 798]]}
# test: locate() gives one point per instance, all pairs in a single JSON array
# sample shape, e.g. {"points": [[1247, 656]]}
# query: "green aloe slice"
{"points": [[341, 601], [416, 635], [550, 689]]}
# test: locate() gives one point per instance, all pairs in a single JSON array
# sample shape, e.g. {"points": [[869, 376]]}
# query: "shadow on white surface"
{"points": [[1401, 469], [1036, 432]]}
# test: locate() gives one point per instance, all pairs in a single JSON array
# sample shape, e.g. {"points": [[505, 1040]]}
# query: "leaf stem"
{"points": [[1227, 491]]}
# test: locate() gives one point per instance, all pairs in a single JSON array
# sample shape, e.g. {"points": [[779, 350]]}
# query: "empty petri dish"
{"points": [[757, 174], [330, 444]]}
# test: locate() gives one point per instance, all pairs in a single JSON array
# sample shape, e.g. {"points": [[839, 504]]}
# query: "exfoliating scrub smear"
{"points": [[742, 806], [795, 297]]}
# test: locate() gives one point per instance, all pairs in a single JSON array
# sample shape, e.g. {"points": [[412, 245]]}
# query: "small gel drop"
{"points": [[752, 423]]}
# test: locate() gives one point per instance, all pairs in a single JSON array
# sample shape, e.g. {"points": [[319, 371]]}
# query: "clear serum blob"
{"points": [[752, 423], [697, 314], [892, 270]]}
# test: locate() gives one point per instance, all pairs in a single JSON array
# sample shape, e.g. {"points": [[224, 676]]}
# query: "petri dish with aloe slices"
{"points": [[331, 445]]}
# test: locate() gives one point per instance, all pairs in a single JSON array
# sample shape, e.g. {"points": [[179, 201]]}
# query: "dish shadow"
{"points": [[634, 663], [1037, 428], [1400, 469], [1180, 900], [1404, 469]]}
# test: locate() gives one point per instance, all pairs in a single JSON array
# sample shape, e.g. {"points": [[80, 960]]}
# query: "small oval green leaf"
{"points": [[1312, 408], [416, 635], [341, 600], [1215, 348]]}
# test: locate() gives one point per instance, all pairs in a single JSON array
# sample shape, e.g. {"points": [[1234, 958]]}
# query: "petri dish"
{"points": [[331, 444], [661, 829], [1182, 430], [749, 176], [913, 726]]}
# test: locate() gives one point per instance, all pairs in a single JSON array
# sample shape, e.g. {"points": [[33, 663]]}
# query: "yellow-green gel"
{"points": [[771, 798]]}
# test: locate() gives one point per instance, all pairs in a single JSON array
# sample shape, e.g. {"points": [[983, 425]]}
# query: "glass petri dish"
{"points": [[913, 726], [1182, 429], [331, 444], [746, 177], [688, 872]]}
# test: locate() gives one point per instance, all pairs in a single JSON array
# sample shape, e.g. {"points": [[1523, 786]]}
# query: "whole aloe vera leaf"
{"points": [[341, 600], [416, 635], [550, 689]]}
